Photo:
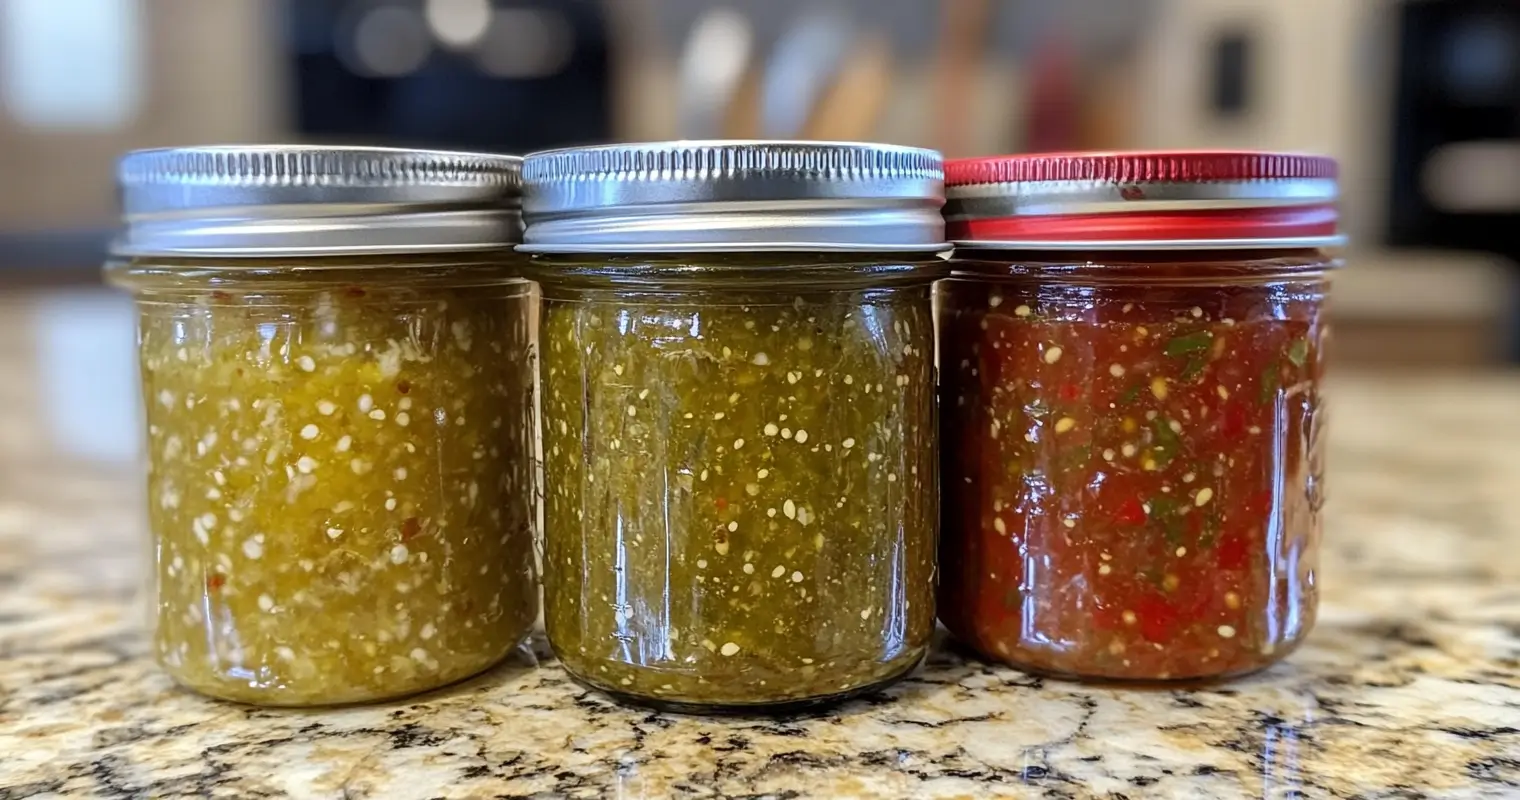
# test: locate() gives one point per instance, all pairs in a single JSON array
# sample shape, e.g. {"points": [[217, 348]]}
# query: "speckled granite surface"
{"points": [[1409, 686]]}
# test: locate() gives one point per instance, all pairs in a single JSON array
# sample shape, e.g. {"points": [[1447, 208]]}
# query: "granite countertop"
{"points": [[1409, 686]]}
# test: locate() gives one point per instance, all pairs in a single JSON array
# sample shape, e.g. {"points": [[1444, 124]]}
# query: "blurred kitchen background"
{"points": [[1420, 100]]}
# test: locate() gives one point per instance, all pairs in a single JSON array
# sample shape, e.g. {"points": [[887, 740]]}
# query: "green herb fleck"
{"points": [[1164, 512], [1298, 352], [1166, 444], [1194, 368], [1190, 343], [1075, 458], [1130, 395], [1269, 383]]}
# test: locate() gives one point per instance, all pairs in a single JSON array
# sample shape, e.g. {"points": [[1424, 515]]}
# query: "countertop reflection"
{"points": [[1408, 687]]}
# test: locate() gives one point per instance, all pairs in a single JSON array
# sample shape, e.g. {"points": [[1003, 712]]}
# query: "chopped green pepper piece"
{"points": [[1187, 344]]}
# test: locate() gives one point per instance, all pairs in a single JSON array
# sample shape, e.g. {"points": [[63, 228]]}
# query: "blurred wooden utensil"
{"points": [[850, 110]]}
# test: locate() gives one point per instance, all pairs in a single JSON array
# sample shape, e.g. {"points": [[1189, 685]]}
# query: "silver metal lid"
{"points": [[734, 196], [295, 200]]}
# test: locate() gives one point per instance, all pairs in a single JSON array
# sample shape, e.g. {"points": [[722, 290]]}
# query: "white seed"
{"points": [[326, 407], [778, 572], [377, 415], [253, 547], [266, 603], [400, 473], [771, 429], [366, 403], [390, 504], [761, 359], [1052, 354], [738, 444], [749, 569], [333, 533], [632, 412], [789, 509], [399, 554], [306, 464], [1116, 370], [796, 577], [729, 648], [1204, 496], [802, 436], [848, 443], [1065, 424], [403, 419], [306, 364], [1022, 311], [309, 432], [344, 444], [1227, 631]]}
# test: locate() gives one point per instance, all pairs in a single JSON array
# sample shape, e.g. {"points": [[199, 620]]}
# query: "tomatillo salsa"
{"points": [[341, 486], [740, 505], [1132, 461]]}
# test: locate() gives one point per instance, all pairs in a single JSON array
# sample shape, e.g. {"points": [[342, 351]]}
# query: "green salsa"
{"points": [[740, 481], [340, 474]]}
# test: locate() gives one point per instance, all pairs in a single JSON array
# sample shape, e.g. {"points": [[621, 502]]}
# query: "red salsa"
{"points": [[1132, 459]]}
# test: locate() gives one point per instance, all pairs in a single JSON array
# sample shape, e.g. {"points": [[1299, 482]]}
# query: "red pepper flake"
{"points": [[215, 581], [1233, 423], [1157, 618], [1070, 392], [1131, 513], [220, 296], [410, 528], [354, 291], [721, 503], [403, 386]]}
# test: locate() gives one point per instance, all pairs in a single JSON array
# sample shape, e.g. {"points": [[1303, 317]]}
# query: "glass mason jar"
{"points": [[340, 422], [738, 410], [1133, 423]]}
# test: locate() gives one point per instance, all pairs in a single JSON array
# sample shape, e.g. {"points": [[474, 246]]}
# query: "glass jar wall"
{"points": [[339, 479], [739, 469]]}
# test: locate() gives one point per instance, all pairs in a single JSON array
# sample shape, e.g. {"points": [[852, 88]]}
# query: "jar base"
{"points": [[221, 692], [806, 705], [1123, 681]]}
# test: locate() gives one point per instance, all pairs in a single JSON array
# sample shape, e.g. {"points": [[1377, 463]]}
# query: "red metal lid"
{"points": [[1143, 200]]}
